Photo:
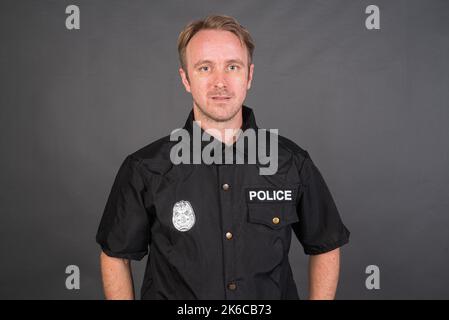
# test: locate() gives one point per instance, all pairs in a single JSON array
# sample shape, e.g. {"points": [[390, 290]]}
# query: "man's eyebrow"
{"points": [[236, 61], [202, 62]]}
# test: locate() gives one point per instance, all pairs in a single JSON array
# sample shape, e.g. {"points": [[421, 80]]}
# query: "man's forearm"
{"points": [[323, 275], [117, 278]]}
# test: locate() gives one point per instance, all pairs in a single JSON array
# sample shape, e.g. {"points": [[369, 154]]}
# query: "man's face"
{"points": [[218, 75]]}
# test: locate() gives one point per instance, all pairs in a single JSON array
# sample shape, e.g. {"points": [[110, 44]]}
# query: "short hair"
{"points": [[214, 22]]}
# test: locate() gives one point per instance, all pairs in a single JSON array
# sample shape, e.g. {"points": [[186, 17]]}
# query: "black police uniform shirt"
{"points": [[218, 231]]}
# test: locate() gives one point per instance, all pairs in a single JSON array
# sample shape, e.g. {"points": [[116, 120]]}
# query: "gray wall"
{"points": [[371, 107]]}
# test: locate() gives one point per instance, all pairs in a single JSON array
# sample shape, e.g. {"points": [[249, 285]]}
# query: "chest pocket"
{"points": [[272, 215]]}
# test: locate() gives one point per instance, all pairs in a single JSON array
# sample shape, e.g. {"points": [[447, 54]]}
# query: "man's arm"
{"points": [[117, 278], [323, 275]]}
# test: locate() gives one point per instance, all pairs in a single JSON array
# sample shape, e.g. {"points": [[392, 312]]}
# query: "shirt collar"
{"points": [[248, 122]]}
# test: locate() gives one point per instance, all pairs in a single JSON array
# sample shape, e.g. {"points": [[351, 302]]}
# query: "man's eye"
{"points": [[233, 67], [204, 68]]}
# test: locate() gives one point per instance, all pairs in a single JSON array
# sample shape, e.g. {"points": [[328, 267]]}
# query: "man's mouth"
{"points": [[220, 98]]}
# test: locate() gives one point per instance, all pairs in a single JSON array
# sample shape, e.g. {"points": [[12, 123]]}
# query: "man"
{"points": [[218, 231]]}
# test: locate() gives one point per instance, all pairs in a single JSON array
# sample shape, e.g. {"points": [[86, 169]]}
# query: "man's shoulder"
{"points": [[290, 147], [291, 155], [155, 156]]}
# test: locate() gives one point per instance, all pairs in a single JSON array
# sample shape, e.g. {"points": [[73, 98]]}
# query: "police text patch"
{"points": [[262, 195]]}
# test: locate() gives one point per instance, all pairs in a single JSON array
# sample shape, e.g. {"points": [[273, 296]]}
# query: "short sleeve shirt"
{"points": [[218, 231]]}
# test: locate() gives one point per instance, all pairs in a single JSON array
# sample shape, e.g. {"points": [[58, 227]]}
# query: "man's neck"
{"points": [[225, 131]]}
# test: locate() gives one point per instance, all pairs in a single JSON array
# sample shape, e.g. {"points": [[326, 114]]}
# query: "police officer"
{"points": [[218, 230]]}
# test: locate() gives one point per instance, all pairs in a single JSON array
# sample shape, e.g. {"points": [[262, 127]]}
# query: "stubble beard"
{"points": [[209, 117]]}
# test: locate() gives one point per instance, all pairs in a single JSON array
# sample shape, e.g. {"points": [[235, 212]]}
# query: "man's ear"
{"points": [[250, 75], [185, 80]]}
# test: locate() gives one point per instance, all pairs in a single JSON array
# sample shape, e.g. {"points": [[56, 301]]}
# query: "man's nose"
{"points": [[220, 79]]}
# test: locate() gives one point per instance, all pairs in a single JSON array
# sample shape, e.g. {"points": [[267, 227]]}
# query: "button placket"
{"points": [[225, 192]]}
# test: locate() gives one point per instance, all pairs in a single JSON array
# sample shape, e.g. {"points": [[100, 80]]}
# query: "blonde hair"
{"points": [[214, 22]]}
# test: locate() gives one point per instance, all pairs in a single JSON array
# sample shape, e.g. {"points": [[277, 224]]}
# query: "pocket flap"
{"points": [[273, 215]]}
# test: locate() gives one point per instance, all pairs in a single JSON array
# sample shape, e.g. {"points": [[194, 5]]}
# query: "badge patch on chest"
{"points": [[263, 195], [183, 216]]}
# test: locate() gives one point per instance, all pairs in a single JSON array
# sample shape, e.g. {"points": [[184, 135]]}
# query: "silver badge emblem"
{"points": [[183, 216]]}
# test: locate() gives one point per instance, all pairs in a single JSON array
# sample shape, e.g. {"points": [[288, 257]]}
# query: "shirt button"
{"points": [[232, 286], [225, 187], [276, 220], [228, 235]]}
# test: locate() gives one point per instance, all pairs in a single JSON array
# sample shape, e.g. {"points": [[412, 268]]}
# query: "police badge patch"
{"points": [[183, 216]]}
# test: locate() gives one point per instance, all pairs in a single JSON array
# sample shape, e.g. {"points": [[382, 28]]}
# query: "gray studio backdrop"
{"points": [[370, 106]]}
